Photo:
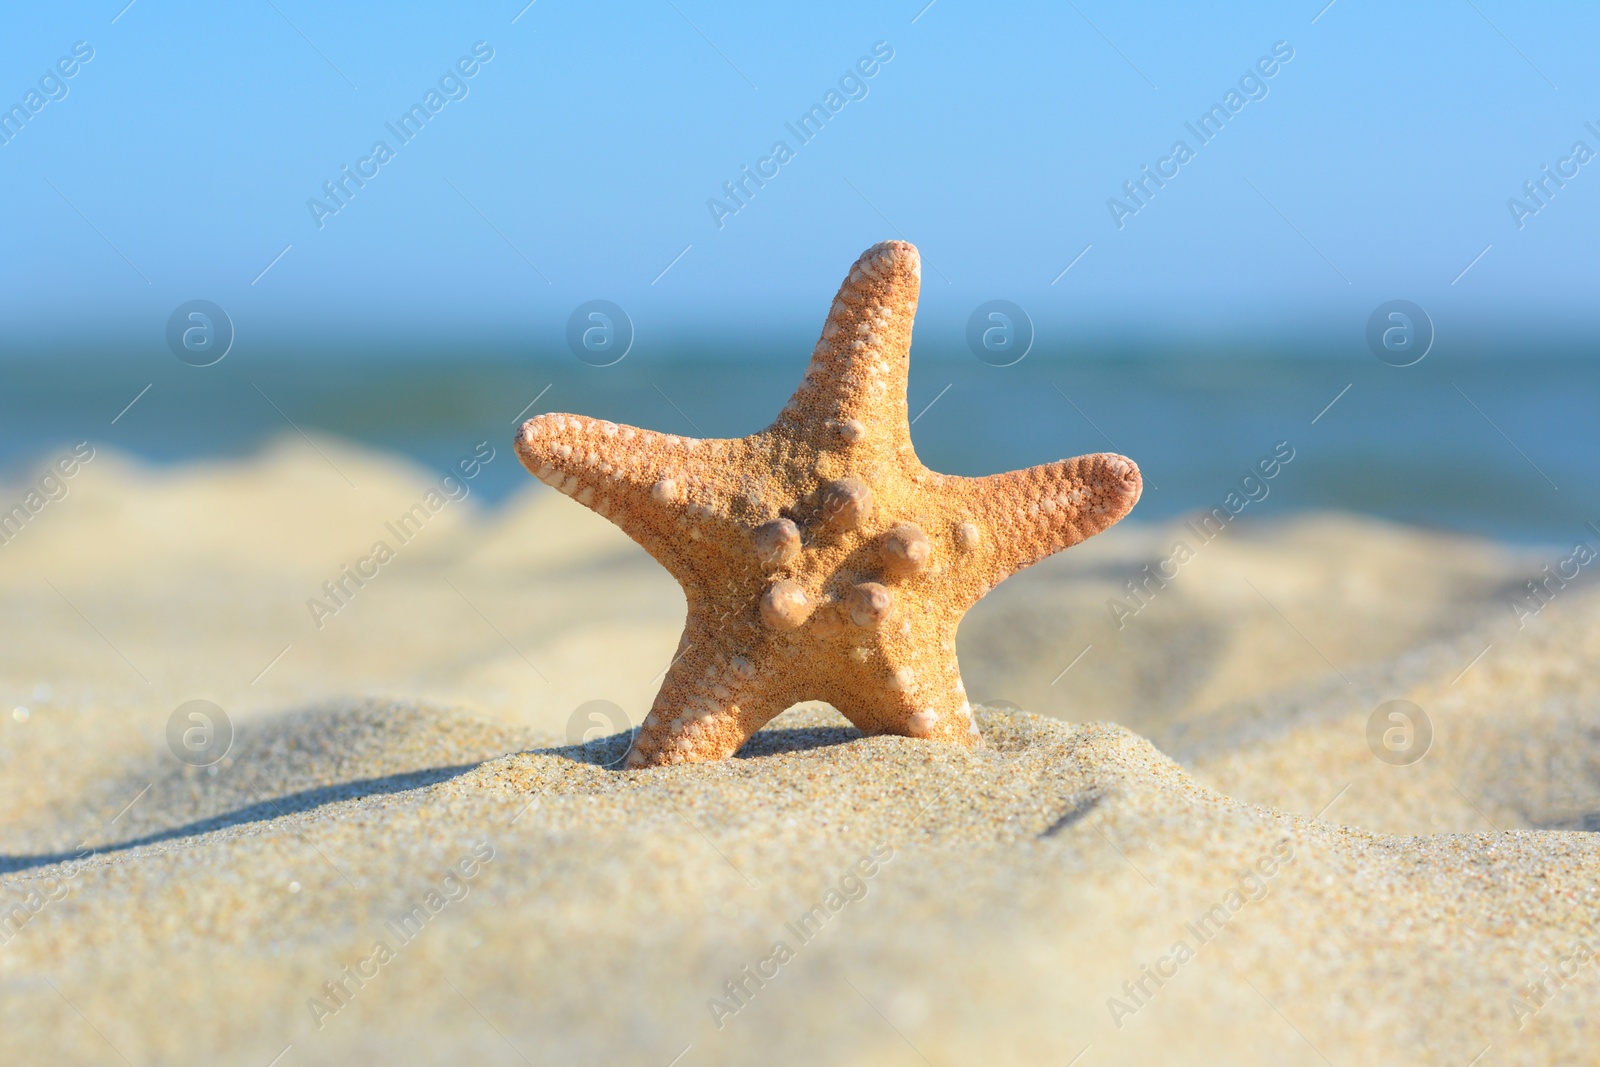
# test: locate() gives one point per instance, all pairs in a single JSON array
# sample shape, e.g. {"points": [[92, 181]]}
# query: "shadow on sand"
{"points": [[769, 741], [264, 809], [607, 752]]}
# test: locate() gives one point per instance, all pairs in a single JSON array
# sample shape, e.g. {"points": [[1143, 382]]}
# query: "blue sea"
{"points": [[1498, 443]]}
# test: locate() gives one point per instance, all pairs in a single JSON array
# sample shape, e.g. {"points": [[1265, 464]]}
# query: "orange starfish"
{"points": [[820, 559]]}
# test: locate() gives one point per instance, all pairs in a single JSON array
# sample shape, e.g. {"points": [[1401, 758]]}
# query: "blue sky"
{"points": [[580, 162]]}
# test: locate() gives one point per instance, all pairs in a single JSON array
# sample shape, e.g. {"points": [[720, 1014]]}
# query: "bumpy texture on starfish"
{"points": [[820, 559]]}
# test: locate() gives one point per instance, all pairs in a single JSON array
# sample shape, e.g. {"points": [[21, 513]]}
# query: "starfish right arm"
{"points": [[1030, 514]]}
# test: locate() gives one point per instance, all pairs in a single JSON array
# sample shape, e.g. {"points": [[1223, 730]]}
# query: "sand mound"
{"points": [[821, 897]]}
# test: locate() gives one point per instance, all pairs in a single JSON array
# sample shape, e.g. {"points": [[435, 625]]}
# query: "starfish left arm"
{"points": [[659, 488]]}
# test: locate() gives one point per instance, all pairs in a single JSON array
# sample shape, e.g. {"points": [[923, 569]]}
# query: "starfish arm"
{"points": [[658, 488], [712, 698], [910, 696], [856, 380], [1005, 522]]}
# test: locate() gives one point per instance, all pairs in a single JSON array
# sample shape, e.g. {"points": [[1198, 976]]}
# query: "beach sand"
{"points": [[1176, 847]]}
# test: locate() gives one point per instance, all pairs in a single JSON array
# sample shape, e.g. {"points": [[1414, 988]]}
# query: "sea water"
{"points": [[1500, 445]]}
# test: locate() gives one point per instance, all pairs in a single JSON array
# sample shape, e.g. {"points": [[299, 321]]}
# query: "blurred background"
{"points": [[1189, 308]]}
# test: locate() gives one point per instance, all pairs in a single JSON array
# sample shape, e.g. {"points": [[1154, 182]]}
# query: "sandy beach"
{"points": [[1178, 845]]}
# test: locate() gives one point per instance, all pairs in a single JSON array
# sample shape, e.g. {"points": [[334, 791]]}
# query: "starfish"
{"points": [[819, 558]]}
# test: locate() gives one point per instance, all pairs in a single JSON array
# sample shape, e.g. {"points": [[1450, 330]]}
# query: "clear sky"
{"points": [[1375, 162]]}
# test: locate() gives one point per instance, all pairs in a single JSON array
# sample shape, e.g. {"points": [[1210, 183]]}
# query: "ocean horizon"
{"points": [[1494, 442]]}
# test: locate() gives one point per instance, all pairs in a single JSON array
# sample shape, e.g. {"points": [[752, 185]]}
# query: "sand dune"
{"points": [[403, 776]]}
